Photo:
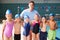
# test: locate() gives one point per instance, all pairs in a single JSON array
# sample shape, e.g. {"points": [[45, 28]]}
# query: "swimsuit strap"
{"points": [[8, 21], [35, 22]]}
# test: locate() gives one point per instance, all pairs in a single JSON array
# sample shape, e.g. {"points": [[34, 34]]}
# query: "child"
{"points": [[8, 26], [26, 28], [17, 27], [43, 32], [53, 27], [22, 28], [35, 29]]}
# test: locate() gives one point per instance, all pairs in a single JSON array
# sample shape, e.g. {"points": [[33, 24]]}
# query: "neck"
{"points": [[18, 21], [30, 9], [44, 22], [36, 20], [52, 20], [9, 20]]}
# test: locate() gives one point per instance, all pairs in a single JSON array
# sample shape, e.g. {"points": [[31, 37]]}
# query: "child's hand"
{"points": [[3, 21]]}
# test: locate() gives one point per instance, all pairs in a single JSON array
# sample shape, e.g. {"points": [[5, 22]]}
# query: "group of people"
{"points": [[29, 25]]}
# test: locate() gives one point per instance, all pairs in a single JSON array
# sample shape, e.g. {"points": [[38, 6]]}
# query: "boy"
{"points": [[53, 27], [17, 27]]}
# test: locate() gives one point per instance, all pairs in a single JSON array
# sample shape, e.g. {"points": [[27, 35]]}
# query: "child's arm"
{"points": [[56, 25], [47, 22], [3, 25], [31, 23], [22, 21], [41, 25]]}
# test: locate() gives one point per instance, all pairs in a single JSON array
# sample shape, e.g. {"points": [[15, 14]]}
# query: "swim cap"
{"points": [[26, 16], [8, 11], [51, 14], [17, 16]]}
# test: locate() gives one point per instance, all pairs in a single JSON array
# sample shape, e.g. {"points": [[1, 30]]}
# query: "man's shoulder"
{"points": [[35, 11], [25, 10]]}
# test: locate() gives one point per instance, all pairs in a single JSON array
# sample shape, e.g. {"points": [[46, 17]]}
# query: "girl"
{"points": [[26, 28], [35, 29], [8, 26], [43, 32]]}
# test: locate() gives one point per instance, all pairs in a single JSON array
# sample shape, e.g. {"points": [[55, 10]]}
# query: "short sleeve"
{"points": [[22, 14], [37, 13]]}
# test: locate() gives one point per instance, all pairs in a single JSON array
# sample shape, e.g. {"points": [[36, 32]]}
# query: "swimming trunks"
{"points": [[43, 35], [51, 34], [17, 36], [26, 29]]}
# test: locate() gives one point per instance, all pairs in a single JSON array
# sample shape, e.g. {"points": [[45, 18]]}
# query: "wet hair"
{"points": [[37, 15], [32, 2], [44, 17]]}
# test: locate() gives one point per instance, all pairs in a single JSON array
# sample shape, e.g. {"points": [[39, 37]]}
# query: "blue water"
{"points": [[57, 31]]}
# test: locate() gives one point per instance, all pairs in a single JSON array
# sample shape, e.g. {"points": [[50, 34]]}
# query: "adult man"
{"points": [[30, 12]]}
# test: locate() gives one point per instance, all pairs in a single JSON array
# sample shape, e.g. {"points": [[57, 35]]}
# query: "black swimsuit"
{"points": [[36, 28]]}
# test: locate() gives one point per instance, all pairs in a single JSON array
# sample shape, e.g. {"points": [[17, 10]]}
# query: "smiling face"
{"points": [[31, 5], [18, 19], [51, 18], [36, 17], [9, 16], [43, 19], [26, 20]]}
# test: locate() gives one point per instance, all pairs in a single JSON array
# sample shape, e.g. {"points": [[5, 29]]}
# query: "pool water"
{"points": [[58, 30]]}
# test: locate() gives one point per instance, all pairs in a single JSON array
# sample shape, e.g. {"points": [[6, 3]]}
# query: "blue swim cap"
{"points": [[51, 14], [17, 16], [8, 11], [26, 16]]}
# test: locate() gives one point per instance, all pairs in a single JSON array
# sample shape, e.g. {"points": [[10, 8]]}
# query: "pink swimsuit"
{"points": [[8, 29]]}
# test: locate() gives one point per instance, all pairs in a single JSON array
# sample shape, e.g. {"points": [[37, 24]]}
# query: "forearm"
{"points": [[2, 35], [3, 28]]}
